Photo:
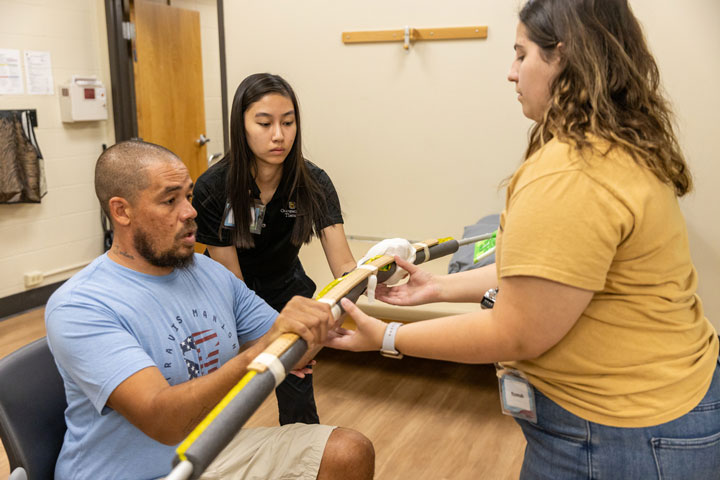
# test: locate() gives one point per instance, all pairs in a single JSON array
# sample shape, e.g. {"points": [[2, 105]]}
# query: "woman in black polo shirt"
{"points": [[261, 202]]}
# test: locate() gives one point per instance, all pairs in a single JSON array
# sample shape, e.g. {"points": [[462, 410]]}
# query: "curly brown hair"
{"points": [[608, 84]]}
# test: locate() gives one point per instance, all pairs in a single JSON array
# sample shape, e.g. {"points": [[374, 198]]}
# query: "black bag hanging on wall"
{"points": [[22, 173]]}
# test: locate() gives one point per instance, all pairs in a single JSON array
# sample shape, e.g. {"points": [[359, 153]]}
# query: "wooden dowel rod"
{"points": [[416, 34]]}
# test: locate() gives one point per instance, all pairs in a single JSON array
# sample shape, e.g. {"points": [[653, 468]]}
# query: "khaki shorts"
{"points": [[287, 452]]}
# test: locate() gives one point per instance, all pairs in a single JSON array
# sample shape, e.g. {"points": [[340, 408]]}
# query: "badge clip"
{"points": [[257, 215], [517, 396]]}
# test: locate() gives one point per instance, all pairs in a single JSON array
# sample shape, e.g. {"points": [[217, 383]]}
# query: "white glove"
{"points": [[392, 246]]}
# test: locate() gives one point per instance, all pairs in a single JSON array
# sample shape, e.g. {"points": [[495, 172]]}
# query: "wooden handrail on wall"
{"points": [[409, 34]]}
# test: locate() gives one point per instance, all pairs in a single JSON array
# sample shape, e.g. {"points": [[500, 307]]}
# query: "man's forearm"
{"points": [[169, 413]]}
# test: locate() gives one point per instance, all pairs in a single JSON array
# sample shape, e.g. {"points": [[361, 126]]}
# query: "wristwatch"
{"points": [[488, 300], [388, 344]]}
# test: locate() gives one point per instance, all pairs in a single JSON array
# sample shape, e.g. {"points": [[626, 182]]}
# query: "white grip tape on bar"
{"points": [[372, 281], [182, 471], [334, 308], [426, 249], [274, 365], [367, 266]]}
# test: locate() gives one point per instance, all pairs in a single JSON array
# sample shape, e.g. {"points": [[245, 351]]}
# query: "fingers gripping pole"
{"points": [[336, 310], [209, 438]]}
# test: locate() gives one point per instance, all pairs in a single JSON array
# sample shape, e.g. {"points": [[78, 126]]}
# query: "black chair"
{"points": [[32, 406]]}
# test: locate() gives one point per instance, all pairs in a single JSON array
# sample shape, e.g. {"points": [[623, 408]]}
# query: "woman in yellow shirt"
{"points": [[608, 361]]}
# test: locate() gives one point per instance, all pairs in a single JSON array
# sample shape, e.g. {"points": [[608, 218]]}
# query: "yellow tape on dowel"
{"points": [[182, 448], [332, 293]]}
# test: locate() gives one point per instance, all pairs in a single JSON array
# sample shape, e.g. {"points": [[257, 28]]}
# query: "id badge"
{"points": [[516, 394], [257, 215]]}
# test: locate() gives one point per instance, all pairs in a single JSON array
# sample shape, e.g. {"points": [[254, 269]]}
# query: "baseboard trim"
{"points": [[23, 301]]}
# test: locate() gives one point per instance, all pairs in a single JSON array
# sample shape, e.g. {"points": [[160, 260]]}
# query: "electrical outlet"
{"points": [[33, 278]]}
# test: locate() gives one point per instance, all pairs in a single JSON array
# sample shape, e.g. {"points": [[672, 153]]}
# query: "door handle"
{"points": [[212, 157], [202, 140]]}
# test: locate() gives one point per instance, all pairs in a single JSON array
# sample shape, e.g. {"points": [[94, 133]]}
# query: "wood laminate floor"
{"points": [[427, 419]]}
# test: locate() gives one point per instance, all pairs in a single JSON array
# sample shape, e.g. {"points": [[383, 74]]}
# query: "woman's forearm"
{"points": [[525, 322], [469, 286], [476, 337], [337, 251]]}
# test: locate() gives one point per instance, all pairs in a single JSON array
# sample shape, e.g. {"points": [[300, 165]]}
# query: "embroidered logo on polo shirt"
{"points": [[291, 211]]}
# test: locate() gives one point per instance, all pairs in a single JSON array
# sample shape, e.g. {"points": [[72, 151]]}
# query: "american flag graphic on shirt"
{"points": [[205, 344]]}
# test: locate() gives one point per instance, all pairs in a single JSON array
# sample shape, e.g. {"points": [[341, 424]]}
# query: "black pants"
{"points": [[295, 395]]}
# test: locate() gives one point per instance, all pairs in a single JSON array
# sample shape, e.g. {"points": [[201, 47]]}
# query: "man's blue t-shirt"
{"points": [[108, 322]]}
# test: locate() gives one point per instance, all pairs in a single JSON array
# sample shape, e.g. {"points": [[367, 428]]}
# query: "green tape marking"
{"points": [[484, 247]]}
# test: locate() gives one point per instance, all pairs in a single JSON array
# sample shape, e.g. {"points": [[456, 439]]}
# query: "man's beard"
{"points": [[169, 258]]}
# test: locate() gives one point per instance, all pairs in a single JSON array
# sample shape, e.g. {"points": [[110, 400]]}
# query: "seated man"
{"points": [[150, 336]]}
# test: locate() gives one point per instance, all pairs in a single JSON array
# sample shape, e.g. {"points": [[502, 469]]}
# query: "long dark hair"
{"points": [[608, 84], [296, 180]]}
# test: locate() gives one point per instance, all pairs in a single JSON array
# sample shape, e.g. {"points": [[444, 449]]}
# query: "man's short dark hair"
{"points": [[120, 170]]}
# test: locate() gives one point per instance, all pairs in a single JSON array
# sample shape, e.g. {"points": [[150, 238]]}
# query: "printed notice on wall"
{"points": [[10, 77], [38, 72]]}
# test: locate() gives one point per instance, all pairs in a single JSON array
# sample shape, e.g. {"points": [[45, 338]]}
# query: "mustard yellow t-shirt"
{"points": [[642, 353]]}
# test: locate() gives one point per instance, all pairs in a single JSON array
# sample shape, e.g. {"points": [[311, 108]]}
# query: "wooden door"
{"points": [[169, 81]]}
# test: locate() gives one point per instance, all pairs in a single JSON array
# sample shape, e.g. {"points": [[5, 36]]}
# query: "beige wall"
{"points": [[417, 142], [64, 230]]}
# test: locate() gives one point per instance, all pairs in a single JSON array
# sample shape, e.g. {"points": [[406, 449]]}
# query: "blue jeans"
{"points": [[564, 446]]}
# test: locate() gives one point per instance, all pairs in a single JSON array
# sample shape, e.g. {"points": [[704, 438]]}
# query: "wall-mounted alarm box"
{"points": [[83, 99]]}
